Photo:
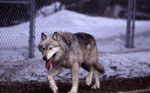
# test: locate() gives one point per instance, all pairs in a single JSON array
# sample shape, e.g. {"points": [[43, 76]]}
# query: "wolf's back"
{"points": [[84, 39]]}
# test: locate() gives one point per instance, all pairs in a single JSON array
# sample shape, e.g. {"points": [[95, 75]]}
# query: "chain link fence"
{"points": [[92, 16], [14, 28]]}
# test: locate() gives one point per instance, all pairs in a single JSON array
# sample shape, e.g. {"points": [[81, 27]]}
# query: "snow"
{"points": [[118, 61], [127, 65], [47, 10]]}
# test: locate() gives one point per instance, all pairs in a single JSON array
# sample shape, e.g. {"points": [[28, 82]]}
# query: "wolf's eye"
{"points": [[50, 48], [41, 48]]}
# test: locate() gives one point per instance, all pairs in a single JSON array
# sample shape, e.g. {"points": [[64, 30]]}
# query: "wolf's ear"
{"points": [[43, 36], [56, 36]]}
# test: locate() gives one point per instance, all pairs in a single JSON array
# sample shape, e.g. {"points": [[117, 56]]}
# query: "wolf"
{"points": [[68, 50]]}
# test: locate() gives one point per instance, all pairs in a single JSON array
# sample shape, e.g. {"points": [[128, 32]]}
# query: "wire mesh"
{"points": [[63, 15]]}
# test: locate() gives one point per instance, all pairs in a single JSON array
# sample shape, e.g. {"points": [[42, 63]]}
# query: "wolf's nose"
{"points": [[44, 58]]}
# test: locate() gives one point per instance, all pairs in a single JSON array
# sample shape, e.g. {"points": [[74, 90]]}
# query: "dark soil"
{"points": [[107, 86]]}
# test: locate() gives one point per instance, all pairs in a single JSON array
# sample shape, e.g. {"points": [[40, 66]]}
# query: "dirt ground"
{"points": [[107, 86]]}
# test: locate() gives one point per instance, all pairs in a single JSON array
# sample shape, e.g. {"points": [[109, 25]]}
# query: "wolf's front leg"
{"points": [[54, 71], [74, 70]]}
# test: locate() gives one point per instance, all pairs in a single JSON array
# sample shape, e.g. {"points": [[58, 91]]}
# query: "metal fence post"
{"points": [[32, 29], [133, 23], [128, 24]]}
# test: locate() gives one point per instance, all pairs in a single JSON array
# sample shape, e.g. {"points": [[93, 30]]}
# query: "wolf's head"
{"points": [[49, 47]]}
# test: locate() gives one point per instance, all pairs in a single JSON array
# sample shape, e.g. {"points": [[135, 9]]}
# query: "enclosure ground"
{"points": [[107, 86]]}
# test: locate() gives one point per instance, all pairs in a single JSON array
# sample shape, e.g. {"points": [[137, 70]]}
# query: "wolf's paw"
{"points": [[72, 92], [96, 86], [88, 81], [55, 89]]}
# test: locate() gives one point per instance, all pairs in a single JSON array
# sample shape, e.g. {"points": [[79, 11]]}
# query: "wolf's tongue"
{"points": [[48, 64]]}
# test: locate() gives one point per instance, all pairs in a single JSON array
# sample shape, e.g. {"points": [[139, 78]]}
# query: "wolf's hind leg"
{"points": [[97, 82], [90, 69], [89, 77]]}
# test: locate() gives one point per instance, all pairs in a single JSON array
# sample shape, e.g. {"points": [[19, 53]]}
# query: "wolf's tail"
{"points": [[99, 67]]}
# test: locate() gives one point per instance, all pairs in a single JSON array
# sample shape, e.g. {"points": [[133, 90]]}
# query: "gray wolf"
{"points": [[67, 50]]}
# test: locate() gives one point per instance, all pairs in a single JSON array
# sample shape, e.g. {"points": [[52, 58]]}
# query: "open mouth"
{"points": [[49, 63]]}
